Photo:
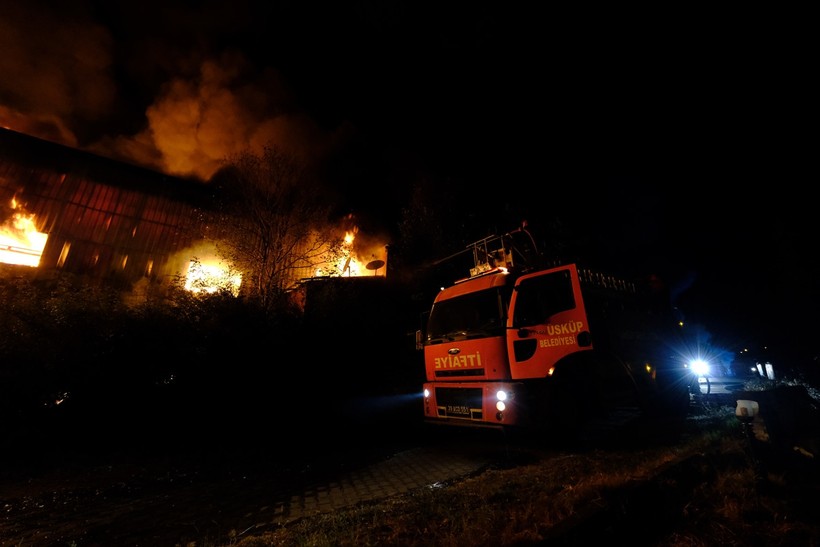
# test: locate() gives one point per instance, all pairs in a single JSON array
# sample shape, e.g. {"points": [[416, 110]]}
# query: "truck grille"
{"points": [[459, 373], [464, 403]]}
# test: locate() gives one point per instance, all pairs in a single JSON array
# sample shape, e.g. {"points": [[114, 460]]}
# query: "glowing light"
{"points": [[699, 366], [20, 242], [211, 276], [347, 263]]}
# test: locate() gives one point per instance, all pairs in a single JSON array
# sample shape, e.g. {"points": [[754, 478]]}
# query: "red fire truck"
{"points": [[520, 345]]}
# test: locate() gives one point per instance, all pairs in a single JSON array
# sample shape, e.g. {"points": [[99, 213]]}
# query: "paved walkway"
{"points": [[405, 471]]}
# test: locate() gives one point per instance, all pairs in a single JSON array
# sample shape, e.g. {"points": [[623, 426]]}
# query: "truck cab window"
{"points": [[539, 298]]}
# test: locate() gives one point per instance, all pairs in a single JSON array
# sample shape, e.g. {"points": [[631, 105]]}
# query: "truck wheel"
{"points": [[575, 399]]}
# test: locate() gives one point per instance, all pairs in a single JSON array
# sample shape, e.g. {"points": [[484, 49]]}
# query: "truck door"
{"points": [[547, 321]]}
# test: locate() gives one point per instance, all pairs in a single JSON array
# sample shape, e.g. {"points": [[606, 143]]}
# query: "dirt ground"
{"points": [[62, 488], [115, 503], [131, 499]]}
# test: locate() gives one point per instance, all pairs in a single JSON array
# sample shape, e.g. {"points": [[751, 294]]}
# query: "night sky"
{"points": [[676, 141]]}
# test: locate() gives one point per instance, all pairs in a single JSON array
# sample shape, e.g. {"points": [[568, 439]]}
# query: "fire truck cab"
{"points": [[544, 348]]}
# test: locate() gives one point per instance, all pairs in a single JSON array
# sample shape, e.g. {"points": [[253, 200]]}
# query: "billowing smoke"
{"points": [[200, 106], [56, 71], [196, 123]]}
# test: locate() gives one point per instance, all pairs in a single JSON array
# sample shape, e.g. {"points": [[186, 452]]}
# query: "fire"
{"points": [[350, 262], [20, 242], [211, 276], [204, 270]]}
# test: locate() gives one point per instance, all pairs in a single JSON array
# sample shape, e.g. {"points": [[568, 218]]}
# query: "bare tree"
{"points": [[272, 224]]}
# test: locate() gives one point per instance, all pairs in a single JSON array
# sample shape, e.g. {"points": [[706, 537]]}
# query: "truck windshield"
{"points": [[471, 315]]}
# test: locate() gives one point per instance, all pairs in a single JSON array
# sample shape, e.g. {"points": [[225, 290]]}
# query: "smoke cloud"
{"points": [[177, 106], [195, 124], [56, 71]]}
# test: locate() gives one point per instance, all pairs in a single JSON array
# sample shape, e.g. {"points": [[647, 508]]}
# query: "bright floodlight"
{"points": [[501, 395], [699, 367]]}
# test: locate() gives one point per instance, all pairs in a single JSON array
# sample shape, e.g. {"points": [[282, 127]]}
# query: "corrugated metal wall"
{"points": [[103, 219]]}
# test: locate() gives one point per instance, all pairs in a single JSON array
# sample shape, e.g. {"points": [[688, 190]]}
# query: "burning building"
{"points": [[70, 210], [62, 209]]}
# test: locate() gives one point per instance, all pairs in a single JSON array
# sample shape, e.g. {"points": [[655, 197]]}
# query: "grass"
{"points": [[705, 489]]}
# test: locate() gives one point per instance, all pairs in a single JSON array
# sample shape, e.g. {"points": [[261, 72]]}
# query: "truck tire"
{"points": [[576, 396]]}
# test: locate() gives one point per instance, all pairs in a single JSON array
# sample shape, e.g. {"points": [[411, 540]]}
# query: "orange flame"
{"points": [[20, 242], [209, 276], [205, 271], [349, 262]]}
